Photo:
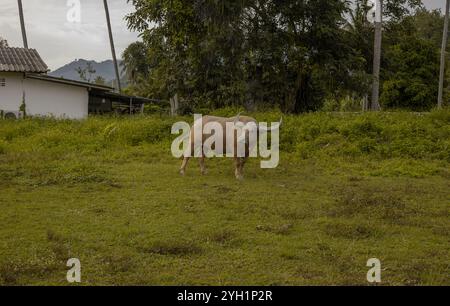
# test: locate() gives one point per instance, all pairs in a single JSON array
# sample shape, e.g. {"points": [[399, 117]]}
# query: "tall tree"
{"points": [[22, 24], [410, 74], [135, 62], [246, 52], [293, 54], [113, 49]]}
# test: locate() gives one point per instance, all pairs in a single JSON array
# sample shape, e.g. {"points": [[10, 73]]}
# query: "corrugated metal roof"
{"points": [[21, 60]]}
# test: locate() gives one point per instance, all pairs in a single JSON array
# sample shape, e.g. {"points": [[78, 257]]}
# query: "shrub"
{"points": [[315, 135]]}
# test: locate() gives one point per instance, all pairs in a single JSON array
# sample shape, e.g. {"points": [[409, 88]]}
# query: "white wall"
{"points": [[53, 99], [11, 94], [43, 98]]}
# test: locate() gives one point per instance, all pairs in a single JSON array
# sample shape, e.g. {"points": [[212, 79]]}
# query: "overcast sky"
{"points": [[60, 41], [432, 4]]}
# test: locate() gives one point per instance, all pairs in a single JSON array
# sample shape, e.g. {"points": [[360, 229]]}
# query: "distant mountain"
{"points": [[104, 69]]}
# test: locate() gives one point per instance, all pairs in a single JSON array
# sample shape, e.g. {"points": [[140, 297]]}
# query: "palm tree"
{"points": [[134, 62], [444, 47], [113, 49], [22, 24]]}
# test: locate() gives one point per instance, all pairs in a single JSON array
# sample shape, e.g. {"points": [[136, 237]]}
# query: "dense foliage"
{"points": [[295, 55]]}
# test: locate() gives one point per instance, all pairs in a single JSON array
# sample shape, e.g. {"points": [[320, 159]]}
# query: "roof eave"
{"points": [[86, 85]]}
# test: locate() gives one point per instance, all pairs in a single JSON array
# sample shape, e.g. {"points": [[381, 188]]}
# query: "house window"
{"points": [[2, 82]]}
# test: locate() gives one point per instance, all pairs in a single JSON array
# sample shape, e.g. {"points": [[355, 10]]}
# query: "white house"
{"points": [[25, 84]]}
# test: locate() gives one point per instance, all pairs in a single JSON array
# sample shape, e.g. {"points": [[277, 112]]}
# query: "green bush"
{"points": [[410, 79], [379, 135]]}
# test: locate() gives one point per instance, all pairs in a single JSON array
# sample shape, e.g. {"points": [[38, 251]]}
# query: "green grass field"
{"points": [[107, 191]]}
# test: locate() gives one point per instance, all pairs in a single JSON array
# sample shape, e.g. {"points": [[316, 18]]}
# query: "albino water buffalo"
{"points": [[229, 126]]}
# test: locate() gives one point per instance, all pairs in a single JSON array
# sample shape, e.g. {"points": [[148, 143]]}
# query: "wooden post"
{"points": [[113, 49], [174, 105], [22, 24], [443, 57], [377, 56], [365, 103]]}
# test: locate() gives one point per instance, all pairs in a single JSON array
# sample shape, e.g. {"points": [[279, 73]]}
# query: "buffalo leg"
{"points": [[241, 166], [186, 156], [237, 171], [202, 165], [183, 165]]}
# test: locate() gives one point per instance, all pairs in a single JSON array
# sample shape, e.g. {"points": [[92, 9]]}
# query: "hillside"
{"points": [[104, 69]]}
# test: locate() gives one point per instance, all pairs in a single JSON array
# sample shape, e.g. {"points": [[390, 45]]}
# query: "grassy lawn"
{"points": [[107, 191]]}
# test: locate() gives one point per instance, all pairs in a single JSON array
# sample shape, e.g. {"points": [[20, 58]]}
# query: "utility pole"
{"points": [[443, 57], [375, 105], [22, 24], [113, 49]]}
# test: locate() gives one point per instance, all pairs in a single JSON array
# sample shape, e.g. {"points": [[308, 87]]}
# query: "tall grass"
{"points": [[379, 135]]}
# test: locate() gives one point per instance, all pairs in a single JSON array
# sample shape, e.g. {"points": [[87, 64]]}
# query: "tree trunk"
{"points": [[113, 49], [291, 103], [443, 57], [174, 105], [22, 24]]}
